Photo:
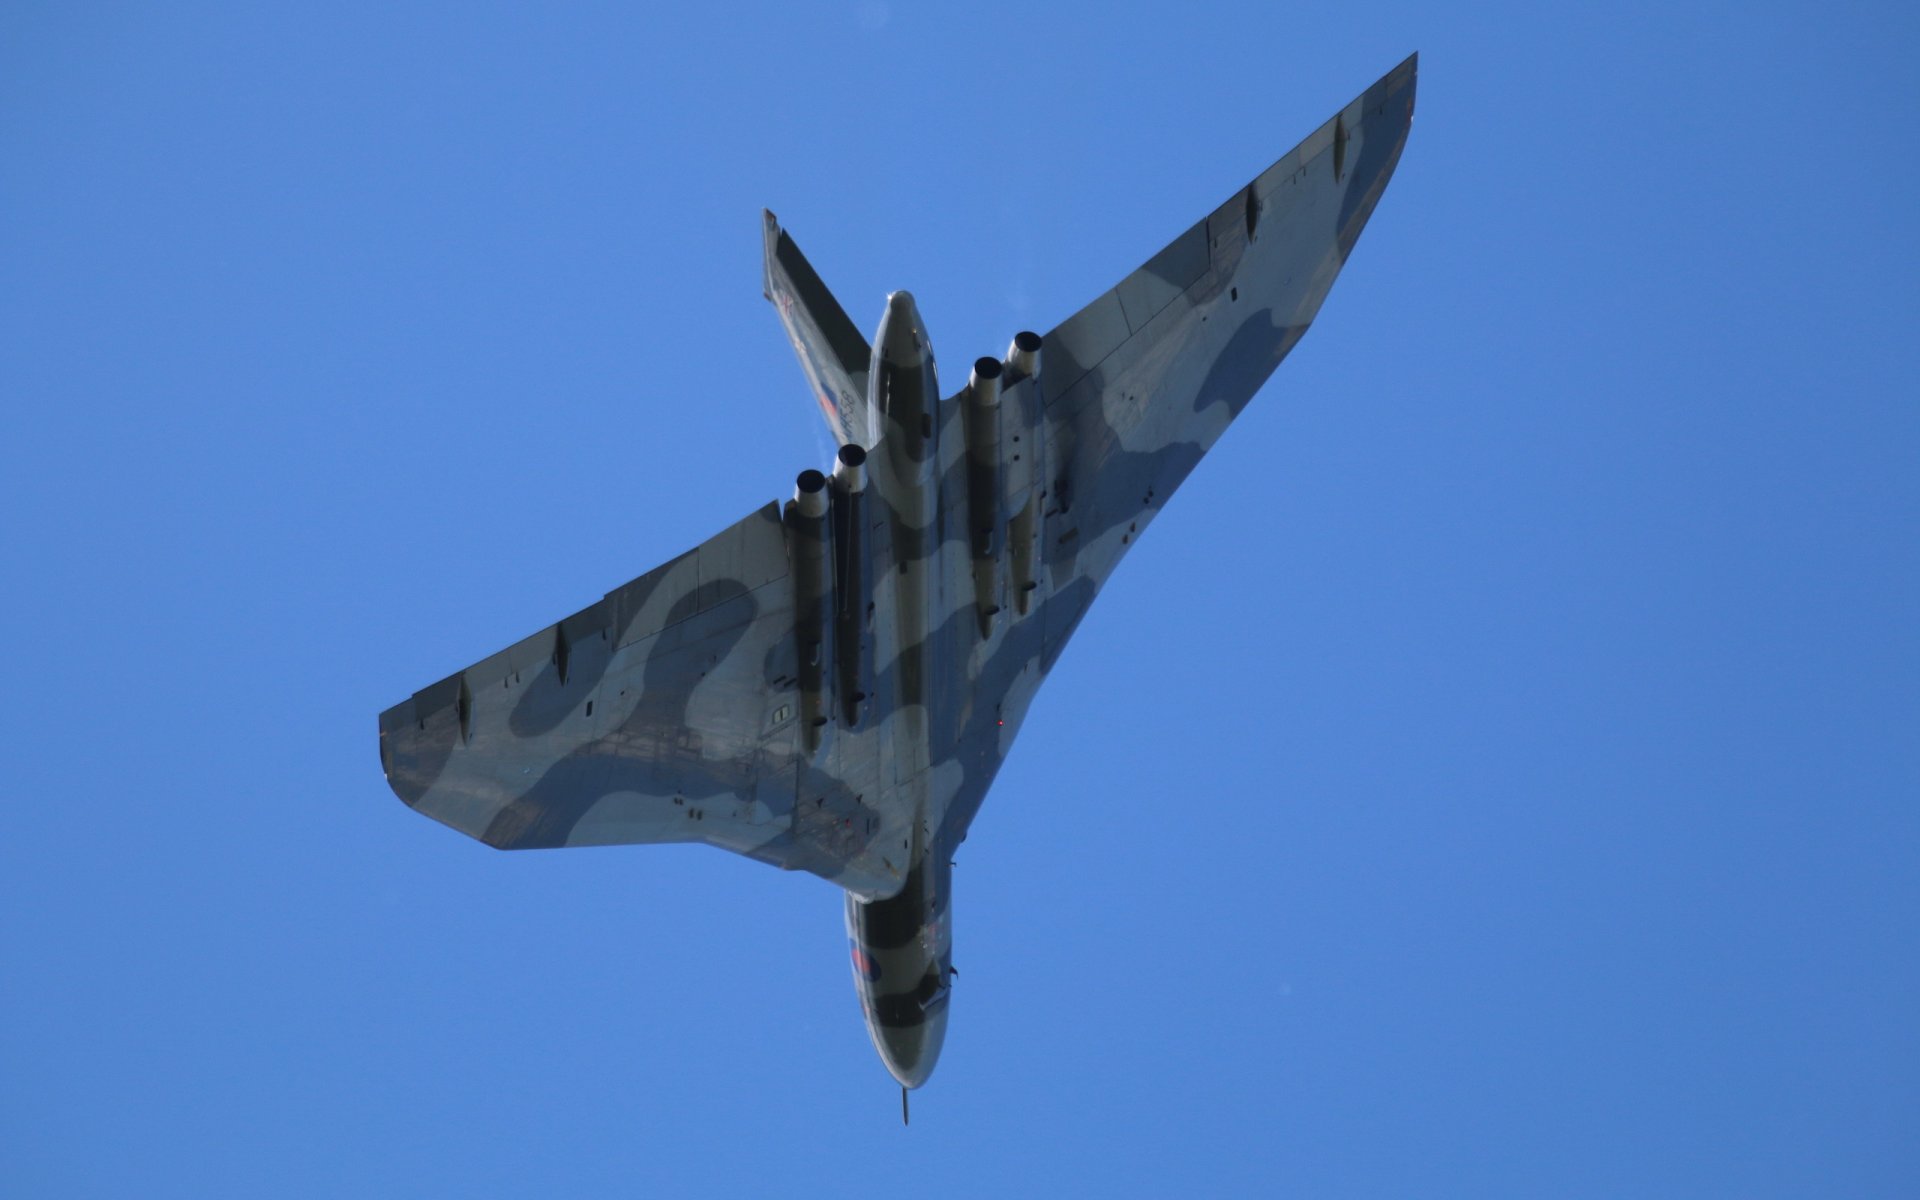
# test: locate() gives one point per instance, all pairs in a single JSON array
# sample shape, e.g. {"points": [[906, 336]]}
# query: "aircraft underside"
{"points": [[830, 685]]}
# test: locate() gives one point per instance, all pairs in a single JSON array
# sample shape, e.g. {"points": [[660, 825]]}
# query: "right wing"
{"points": [[667, 712], [1140, 383]]}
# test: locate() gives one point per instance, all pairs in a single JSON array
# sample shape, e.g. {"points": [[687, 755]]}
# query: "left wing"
{"points": [[667, 712], [1140, 383]]}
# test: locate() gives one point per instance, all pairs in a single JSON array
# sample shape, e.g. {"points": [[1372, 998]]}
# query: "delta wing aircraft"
{"points": [[830, 685]]}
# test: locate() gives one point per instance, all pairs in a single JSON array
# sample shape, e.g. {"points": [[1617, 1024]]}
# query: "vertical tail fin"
{"points": [[832, 353]]}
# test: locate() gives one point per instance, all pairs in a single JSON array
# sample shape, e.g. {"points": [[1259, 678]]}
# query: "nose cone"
{"points": [[901, 340], [910, 1051]]}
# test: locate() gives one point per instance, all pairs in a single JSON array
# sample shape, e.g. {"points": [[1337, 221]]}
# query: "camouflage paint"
{"points": [[672, 710]]}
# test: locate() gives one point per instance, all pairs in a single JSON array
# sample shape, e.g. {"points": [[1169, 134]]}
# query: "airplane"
{"points": [[831, 685]]}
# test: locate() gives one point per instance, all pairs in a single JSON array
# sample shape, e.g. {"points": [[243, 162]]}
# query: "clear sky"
{"points": [[1497, 775]]}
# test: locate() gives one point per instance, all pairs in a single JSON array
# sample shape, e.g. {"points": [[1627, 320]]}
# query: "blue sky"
{"points": [[1497, 774]]}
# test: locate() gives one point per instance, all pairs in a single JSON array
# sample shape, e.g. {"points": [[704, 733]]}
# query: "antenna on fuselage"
{"points": [[903, 1106]]}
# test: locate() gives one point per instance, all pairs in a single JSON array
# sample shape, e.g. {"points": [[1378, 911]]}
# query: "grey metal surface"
{"points": [[680, 707]]}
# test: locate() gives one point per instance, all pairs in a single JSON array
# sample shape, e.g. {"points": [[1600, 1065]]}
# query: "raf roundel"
{"points": [[863, 964]]}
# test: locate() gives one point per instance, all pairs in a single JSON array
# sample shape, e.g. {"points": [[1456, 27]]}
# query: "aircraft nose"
{"points": [[910, 1051]]}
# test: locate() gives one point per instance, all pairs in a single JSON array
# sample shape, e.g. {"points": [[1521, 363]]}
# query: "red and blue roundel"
{"points": [[863, 964]]}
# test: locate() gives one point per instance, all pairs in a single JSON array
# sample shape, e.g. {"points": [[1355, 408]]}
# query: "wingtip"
{"points": [[1403, 78], [769, 240], [1404, 72]]}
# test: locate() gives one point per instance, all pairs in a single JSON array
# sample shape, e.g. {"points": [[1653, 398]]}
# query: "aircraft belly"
{"points": [[837, 695]]}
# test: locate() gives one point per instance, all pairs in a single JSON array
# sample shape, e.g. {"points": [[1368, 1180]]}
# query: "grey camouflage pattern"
{"points": [[672, 709]]}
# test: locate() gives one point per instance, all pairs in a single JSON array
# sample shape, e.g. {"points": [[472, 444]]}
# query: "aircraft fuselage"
{"points": [[902, 945], [902, 950]]}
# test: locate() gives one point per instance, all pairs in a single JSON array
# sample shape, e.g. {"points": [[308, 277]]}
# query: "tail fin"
{"points": [[832, 353]]}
